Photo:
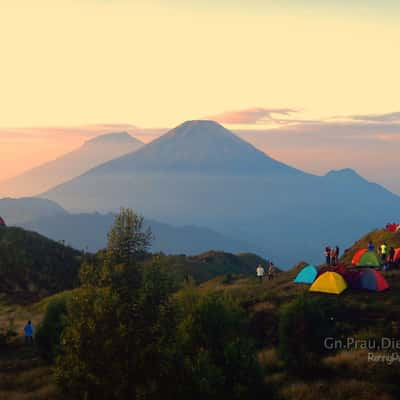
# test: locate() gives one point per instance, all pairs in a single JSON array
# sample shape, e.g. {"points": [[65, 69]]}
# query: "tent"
{"points": [[358, 255], [2, 223], [307, 275], [369, 259], [373, 280], [392, 227], [397, 255], [329, 282]]}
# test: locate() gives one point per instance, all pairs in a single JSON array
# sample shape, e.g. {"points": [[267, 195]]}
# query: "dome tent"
{"points": [[329, 282], [373, 280], [307, 275], [369, 259], [397, 255], [2, 222], [358, 255]]}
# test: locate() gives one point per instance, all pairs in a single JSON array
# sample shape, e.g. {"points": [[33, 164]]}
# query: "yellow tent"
{"points": [[329, 282]]}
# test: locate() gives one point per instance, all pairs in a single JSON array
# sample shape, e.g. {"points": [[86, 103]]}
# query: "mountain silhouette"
{"points": [[197, 146], [93, 152]]}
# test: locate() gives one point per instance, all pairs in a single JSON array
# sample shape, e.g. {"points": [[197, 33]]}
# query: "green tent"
{"points": [[369, 259]]}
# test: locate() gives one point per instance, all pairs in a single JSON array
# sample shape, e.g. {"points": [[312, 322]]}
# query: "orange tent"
{"points": [[397, 255], [358, 256]]}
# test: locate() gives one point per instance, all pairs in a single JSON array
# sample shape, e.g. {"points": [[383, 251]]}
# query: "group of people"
{"points": [[386, 253], [332, 255], [260, 271]]}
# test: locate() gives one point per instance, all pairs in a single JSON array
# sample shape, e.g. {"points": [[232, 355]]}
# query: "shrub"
{"points": [[48, 335], [303, 326], [7, 333], [220, 360]]}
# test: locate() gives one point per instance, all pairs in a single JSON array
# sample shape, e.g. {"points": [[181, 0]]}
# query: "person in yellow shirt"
{"points": [[383, 250]]}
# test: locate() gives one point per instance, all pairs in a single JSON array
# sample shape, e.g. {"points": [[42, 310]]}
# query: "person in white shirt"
{"points": [[260, 272]]}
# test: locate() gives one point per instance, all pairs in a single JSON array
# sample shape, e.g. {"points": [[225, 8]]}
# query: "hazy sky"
{"points": [[252, 64]]}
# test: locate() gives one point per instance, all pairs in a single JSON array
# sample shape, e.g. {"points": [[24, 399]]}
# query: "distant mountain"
{"points": [[197, 146], [89, 232], [20, 211], [94, 152], [32, 266], [202, 174]]}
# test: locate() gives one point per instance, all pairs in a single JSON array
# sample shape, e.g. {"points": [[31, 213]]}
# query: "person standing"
{"points": [[28, 331], [371, 246], [328, 255], [271, 271], [391, 255], [383, 250], [333, 256], [260, 272]]}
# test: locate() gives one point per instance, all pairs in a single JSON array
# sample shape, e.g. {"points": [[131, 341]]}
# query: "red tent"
{"points": [[392, 227], [371, 279], [2, 223], [358, 256], [352, 277], [397, 255]]}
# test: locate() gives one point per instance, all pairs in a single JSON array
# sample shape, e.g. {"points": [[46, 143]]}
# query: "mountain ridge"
{"points": [[199, 173], [70, 165]]}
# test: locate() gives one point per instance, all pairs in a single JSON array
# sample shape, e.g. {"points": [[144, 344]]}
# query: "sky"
{"points": [[312, 82]]}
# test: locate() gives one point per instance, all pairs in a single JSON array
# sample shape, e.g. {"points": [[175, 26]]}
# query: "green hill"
{"points": [[209, 265], [32, 266]]}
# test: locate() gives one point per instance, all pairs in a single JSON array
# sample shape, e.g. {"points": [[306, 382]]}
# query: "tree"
{"points": [[120, 335], [219, 357], [128, 240], [303, 326], [48, 335]]}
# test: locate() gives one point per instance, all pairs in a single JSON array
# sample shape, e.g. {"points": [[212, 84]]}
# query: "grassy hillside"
{"points": [[32, 266], [377, 237], [359, 314], [206, 266]]}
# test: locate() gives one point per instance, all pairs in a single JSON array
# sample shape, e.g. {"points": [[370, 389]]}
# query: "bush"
{"points": [[303, 326], [220, 360], [48, 335], [7, 333]]}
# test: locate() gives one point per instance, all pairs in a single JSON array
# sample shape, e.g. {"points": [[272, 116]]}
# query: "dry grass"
{"points": [[349, 389]]}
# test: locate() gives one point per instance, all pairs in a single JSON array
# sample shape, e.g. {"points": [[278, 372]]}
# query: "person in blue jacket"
{"points": [[28, 331]]}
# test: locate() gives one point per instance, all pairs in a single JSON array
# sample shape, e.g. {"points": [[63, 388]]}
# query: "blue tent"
{"points": [[307, 275]]}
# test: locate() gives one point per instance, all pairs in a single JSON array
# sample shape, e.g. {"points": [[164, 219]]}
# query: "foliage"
{"points": [[48, 335], [33, 264], [303, 326], [7, 333], [127, 240], [220, 359]]}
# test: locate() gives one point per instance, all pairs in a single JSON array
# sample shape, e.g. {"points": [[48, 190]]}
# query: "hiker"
{"points": [[333, 256], [337, 252], [392, 252], [328, 255], [383, 251], [271, 271], [260, 272], [28, 330], [371, 246]]}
